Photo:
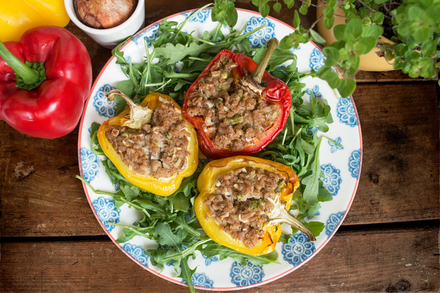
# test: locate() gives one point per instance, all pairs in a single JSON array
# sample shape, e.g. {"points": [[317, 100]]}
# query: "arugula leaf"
{"points": [[167, 237], [311, 181], [278, 57], [94, 143], [212, 249]]}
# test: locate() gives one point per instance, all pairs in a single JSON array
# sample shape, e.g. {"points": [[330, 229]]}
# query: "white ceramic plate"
{"points": [[341, 165]]}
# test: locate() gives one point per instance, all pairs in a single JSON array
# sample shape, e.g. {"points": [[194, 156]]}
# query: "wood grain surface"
{"points": [[365, 260], [50, 241]]}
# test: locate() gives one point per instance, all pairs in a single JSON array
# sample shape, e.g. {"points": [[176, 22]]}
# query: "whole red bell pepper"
{"points": [[44, 80], [276, 92]]}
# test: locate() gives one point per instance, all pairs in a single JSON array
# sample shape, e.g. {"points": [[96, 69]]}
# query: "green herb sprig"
{"points": [[414, 26]]}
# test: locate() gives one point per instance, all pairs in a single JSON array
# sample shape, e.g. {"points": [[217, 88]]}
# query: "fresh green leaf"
{"points": [[315, 227], [339, 32], [317, 37], [332, 55], [94, 143], [264, 10], [329, 21], [289, 3], [353, 28], [327, 73], [224, 12], [296, 20], [311, 181], [429, 48], [368, 44], [374, 31], [214, 249], [347, 87]]}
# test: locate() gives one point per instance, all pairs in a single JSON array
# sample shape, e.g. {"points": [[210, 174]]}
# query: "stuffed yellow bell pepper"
{"points": [[18, 16], [151, 144], [243, 201]]}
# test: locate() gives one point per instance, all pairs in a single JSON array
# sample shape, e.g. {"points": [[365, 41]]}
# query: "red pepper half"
{"points": [[276, 92], [44, 97]]}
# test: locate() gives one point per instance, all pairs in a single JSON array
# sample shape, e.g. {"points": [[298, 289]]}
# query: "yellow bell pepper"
{"points": [[18, 16], [158, 186], [206, 185]]}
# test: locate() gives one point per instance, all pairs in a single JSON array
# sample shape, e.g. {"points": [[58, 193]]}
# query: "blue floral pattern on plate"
{"points": [[311, 130], [210, 260], [354, 162], [117, 186], [345, 112], [334, 146], [137, 252], [332, 178], [106, 210], [200, 16], [246, 275], [293, 49], [104, 107], [202, 280], [332, 222], [260, 38], [298, 249], [148, 35], [316, 214], [316, 59], [314, 91], [89, 163]]}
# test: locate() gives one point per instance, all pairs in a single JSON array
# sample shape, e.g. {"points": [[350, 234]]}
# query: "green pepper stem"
{"points": [[29, 75], [257, 75]]}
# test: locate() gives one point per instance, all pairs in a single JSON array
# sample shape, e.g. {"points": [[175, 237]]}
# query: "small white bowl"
{"points": [[111, 37]]}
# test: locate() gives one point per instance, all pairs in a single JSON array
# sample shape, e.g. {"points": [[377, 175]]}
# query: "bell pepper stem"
{"points": [[29, 75], [138, 115], [280, 215], [257, 75]]}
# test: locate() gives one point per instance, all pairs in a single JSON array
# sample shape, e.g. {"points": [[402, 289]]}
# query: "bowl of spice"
{"points": [[108, 22]]}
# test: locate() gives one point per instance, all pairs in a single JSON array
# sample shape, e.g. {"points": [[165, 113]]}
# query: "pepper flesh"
{"points": [[276, 90], [18, 16], [158, 186], [54, 108], [206, 186]]}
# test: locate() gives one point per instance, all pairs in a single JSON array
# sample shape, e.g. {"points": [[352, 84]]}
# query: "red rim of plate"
{"points": [[176, 281]]}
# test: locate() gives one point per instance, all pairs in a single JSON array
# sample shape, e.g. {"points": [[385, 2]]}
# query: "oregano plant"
{"points": [[413, 26]]}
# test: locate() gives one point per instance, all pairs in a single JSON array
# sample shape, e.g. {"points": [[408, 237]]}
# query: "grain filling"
{"points": [[235, 115], [241, 201], [159, 149]]}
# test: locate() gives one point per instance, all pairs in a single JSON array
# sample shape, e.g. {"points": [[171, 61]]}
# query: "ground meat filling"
{"points": [[235, 116], [240, 202], [158, 149]]}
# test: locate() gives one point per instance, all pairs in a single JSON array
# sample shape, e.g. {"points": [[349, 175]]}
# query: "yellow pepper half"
{"points": [[18, 16], [206, 185], [158, 186]]}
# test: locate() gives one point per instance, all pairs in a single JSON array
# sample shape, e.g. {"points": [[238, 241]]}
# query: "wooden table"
{"points": [[51, 241]]}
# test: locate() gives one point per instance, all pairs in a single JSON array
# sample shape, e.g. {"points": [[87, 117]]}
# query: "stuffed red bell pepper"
{"points": [[236, 106], [44, 80]]}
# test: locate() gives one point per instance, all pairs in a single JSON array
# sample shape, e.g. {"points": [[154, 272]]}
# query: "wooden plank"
{"points": [[363, 261], [400, 170], [39, 193], [399, 179], [389, 76]]}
